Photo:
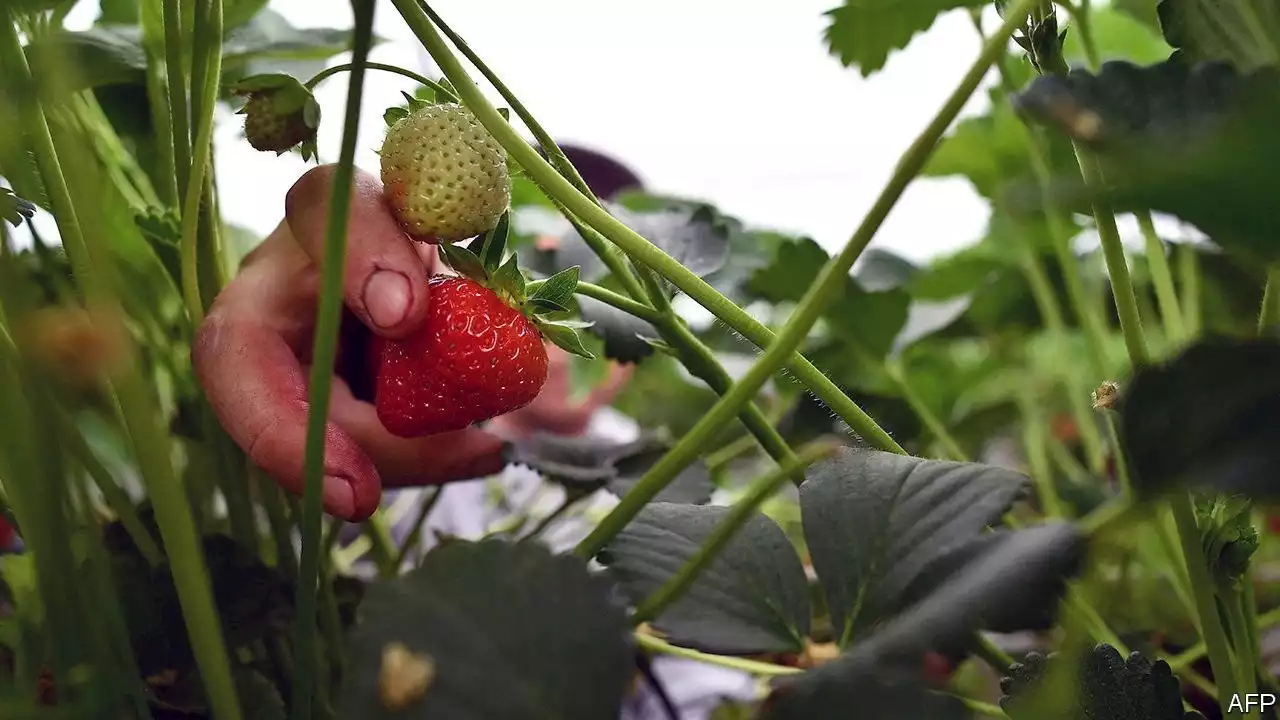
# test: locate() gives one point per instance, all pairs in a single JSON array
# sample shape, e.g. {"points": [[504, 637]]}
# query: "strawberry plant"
{"points": [[1028, 479]]}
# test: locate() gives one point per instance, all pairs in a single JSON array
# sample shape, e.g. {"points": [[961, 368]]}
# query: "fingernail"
{"points": [[339, 497], [386, 298]]}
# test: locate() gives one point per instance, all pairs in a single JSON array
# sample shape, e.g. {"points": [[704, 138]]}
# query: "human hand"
{"points": [[252, 353]]}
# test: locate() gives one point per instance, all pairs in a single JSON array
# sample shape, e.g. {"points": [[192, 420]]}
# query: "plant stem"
{"points": [[932, 423], [281, 529], [1117, 450], [202, 147], [1211, 630], [1188, 657], [814, 302], [440, 90], [151, 17], [324, 353], [760, 490], [1241, 631], [419, 523], [177, 77], [382, 547], [1189, 278], [623, 303], [755, 667], [578, 205], [1269, 314], [992, 655], [1034, 440], [1162, 279], [569, 501], [982, 708]]}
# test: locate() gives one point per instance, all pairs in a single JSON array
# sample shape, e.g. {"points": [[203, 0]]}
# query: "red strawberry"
{"points": [[474, 358]]}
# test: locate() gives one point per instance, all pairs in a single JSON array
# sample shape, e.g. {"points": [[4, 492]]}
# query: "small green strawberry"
{"points": [[480, 352], [444, 176], [279, 114]]}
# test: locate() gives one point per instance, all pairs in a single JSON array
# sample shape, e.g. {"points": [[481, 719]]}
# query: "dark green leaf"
{"points": [[92, 58], [14, 209], [753, 598], [874, 521], [1232, 30], [494, 615], [697, 237], [880, 270], [559, 288], [580, 463], [1109, 687], [463, 260], [564, 333], [118, 12], [691, 487], [1210, 417], [626, 337], [1198, 143], [394, 115], [862, 33], [831, 691], [268, 43]]}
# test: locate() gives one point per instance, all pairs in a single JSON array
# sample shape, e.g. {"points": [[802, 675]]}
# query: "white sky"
{"points": [[737, 103]]}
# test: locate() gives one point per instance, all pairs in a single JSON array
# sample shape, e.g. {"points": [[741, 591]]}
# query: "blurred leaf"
{"points": [[1108, 686], [1198, 143], [495, 615], [697, 236], [661, 395], [753, 598], [626, 337], [1227, 535], [692, 486], [829, 692], [862, 33], [71, 61], [1209, 417], [926, 318], [880, 270], [14, 209], [1118, 36], [873, 521], [118, 12], [1231, 30], [268, 43], [238, 12], [259, 697], [1143, 11]]}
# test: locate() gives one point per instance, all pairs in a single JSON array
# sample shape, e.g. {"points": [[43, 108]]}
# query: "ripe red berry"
{"points": [[475, 357]]}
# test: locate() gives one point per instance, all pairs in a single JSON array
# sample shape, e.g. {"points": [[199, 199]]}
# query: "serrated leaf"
{"points": [[873, 521], [1198, 143], [508, 279], [495, 615], [627, 338], [1230, 30], [463, 260], [862, 33], [564, 334], [753, 598], [559, 288], [1209, 417], [1108, 686]]}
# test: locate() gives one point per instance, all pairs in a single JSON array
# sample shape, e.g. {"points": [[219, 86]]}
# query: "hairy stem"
{"points": [[621, 302], [324, 353]]}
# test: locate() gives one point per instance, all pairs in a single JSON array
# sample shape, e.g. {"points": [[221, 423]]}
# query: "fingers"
{"points": [[434, 460], [385, 282]]}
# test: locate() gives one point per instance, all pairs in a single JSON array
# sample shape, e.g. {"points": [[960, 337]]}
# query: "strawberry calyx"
{"points": [[286, 100], [484, 260]]}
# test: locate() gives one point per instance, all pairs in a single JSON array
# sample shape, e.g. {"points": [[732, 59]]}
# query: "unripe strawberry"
{"points": [[280, 114], [443, 174]]}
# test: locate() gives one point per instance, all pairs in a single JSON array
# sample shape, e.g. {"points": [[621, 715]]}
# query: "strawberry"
{"points": [[475, 357], [444, 176], [279, 114]]}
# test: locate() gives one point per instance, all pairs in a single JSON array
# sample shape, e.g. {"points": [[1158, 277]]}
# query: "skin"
{"points": [[251, 357]]}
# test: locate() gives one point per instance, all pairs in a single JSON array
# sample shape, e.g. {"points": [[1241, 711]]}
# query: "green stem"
{"points": [[1034, 439], [760, 490], [1211, 630], [1269, 314], [1122, 467], [1191, 655], [441, 91], [621, 302], [178, 104], [203, 146], [755, 667], [151, 15], [324, 353], [281, 529], [813, 304], [1189, 279], [382, 547], [1241, 633], [569, 501], [932, 423], [419, 525], [982, 708], [579, 205], [1162, 279], [992, 655]]}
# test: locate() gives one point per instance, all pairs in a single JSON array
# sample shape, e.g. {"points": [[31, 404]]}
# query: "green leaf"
{"points": [[239, 12], [493, 244], [1231, 30], [627, 338], [879, 270], [464, 261], [862, 33], [269, 43], [393, 115], [546, 307], [874, 520], [1209, 417], [1227, 535], [1118, 36], [1107, 682], [829, 693], [1144, 11], [264, 81], [495, 615], [559, 288], [1199, 143], [691, 487], [753, 598], [564, 333], [69, 61], [509, 280]]}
